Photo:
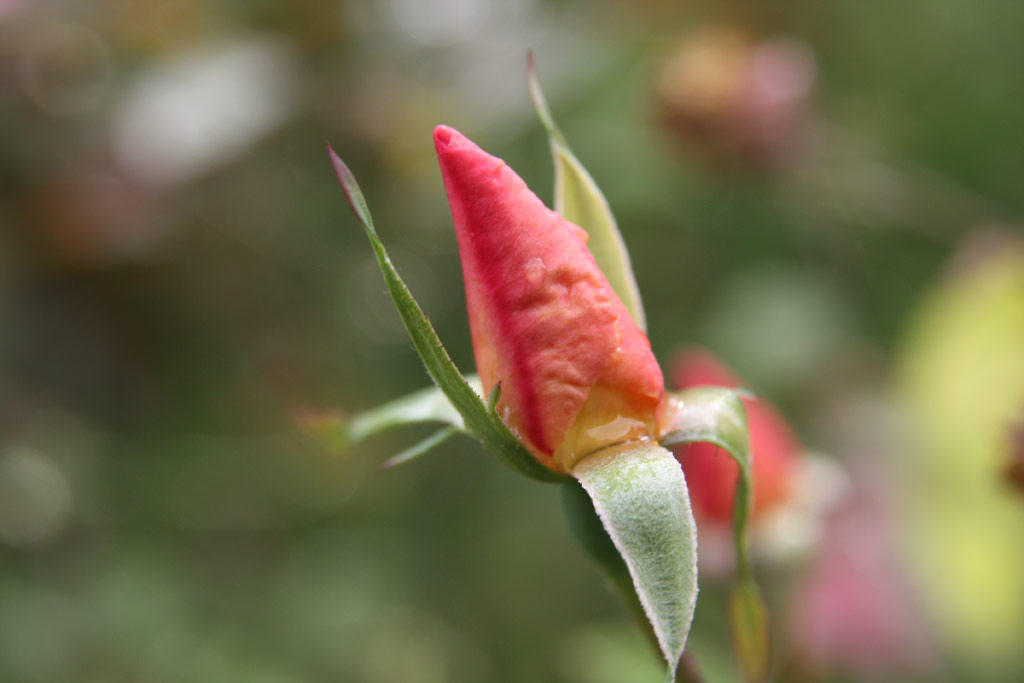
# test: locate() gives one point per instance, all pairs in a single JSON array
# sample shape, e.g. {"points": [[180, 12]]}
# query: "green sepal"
{"points": [[580, 201], [482, 423], [751, 630], [639, 494], [416, 450], [589, 532], [336, 432], [425, 405], [717, 415]]}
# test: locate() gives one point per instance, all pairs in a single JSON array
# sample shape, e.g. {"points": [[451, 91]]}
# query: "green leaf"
{"points": [[589, 532], [426, 405], [639, 493], [482, 423], [579, 200], [418, 449], [336, 432], [751, 632], [716, 415]]}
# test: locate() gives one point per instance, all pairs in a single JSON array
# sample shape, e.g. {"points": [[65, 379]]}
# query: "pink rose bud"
{"points": [[710, 472], [576, 373]]}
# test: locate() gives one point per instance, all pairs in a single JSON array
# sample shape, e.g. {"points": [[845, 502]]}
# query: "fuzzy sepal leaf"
{"points": [[639, 493], [590, 533], [717, 415]]}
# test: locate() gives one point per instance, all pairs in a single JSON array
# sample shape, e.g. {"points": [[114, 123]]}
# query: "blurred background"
{"points": [[825, 195]]}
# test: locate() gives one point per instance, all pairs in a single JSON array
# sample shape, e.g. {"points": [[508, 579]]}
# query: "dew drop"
{"points": [[534, 271]]}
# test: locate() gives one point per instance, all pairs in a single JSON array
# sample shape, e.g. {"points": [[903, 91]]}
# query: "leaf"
{"points": [[751, 632], [639, 493], [418, 449], [426, 405], [589, 532], [716, 415], [336, 432], [482, 423], [580, 201]]}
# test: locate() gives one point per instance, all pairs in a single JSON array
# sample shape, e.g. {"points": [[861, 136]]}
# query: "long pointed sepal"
{"points": [[580, 201], [639, 493], [482, 423]]}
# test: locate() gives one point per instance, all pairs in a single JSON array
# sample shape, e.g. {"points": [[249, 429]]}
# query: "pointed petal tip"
{"points": [[448, 139], [443, 135], [445, 138]]}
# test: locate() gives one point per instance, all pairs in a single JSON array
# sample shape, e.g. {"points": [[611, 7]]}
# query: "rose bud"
{"points": [[576, 374]]}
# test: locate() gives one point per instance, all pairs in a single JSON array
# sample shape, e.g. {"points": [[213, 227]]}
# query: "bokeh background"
{"points": [[826, 195]]}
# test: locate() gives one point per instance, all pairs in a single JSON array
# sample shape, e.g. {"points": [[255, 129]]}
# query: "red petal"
{"points": [[545, 321]]}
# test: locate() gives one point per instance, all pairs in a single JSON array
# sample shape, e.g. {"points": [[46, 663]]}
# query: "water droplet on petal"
{"points": [[534, 272]]}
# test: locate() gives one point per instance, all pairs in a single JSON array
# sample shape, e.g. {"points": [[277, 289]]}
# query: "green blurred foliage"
{"points": [[180, 278]]}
